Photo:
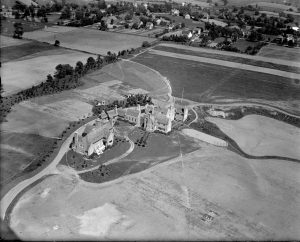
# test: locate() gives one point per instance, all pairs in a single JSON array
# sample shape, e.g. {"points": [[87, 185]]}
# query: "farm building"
{"points": [[149, 25], [94, 139]]}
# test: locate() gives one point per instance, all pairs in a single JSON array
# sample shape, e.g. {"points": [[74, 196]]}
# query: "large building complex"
{"points": [[97, 137]]}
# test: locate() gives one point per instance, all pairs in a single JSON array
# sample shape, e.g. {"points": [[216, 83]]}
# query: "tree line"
{"points": [[130, 101], [66, 77]]}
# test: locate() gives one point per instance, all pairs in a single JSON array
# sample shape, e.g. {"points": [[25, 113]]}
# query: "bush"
{"points": [[146, 44]]}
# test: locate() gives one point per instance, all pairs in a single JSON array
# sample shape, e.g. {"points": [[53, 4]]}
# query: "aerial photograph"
{"points": [[150, 120]]}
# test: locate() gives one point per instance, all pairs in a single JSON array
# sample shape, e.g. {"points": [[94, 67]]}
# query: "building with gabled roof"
{"points": [[94, 139]]}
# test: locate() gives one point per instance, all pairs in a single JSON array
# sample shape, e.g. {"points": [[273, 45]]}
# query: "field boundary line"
{"points": [[228, 64]]}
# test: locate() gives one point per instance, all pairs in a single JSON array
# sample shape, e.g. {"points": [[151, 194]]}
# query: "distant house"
{"points": [[149, 25], [7, 13], [94, 139], [158, 21], [197, 31], [187, 33], [187, 16], [175, 12]]}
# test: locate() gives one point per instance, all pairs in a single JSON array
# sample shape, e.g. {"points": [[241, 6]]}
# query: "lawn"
{"points": [[204, 82], [78, 162], [220, 56], [148, 152], [280, 52], [89, 40]]}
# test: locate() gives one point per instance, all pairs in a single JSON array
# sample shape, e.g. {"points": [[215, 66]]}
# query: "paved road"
{"points": [[50, 169]]}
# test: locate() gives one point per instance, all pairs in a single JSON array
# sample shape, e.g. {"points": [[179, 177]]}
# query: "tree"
{"points": [[79, 67], [57, 43], [18, 31], [65, 13], [146, 44], [49, 78], [91, 62]]}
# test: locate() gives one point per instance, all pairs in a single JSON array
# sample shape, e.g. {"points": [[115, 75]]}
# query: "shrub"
{"points": [[146, 44]]}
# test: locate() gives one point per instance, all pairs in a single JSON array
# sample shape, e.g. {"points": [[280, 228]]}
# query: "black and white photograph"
{"points": [[150, 120]]}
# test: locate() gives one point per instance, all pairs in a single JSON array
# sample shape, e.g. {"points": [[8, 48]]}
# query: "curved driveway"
{"points": [[50, 169]]}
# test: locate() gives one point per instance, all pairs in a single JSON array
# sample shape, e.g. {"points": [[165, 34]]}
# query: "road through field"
{"points": [[227, 53], [227, 64], [50, 169]]}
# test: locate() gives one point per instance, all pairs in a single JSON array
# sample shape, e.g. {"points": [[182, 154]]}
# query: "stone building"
{"points": [[95, 138]]}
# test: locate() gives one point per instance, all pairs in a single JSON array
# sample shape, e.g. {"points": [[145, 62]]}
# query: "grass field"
{"points": [[13, 49], [49, 115], [9, 41], [222, 56], [277, 4], [280, 52], [207, 82], [18, 150], [89, 40], [247, 199], [32, 69], [146, 153], [260, 136]]}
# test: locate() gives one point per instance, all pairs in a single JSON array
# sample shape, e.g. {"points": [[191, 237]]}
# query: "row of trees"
{"points": [[130, 101], [66, 77], [176, 38]]}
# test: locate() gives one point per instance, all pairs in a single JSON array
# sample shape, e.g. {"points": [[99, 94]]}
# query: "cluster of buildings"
{"points": [[99, 136]]}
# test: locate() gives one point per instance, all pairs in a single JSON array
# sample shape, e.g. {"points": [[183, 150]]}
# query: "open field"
{"points": [[273, 3], [239, 58], [260, 136], [227, 54], [9, 41], [18, 150], [89, 40], [15, 50], [7, 26], [205, 82], [230, 64], [245, 199], [28, 71], [140, 32], [49, 115], [280, 52]]}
